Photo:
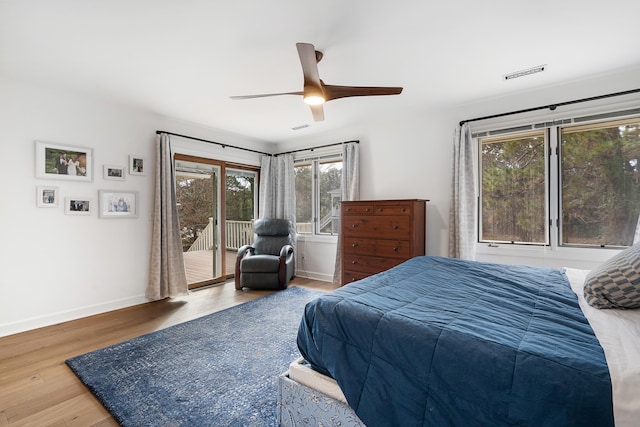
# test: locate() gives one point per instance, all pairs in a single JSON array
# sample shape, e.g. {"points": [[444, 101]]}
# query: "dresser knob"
{"points": [[366, 210], [353, 245], [403, 209], [395, 227], [395, 249], [353, 262], [379, 209], [353, 226]]}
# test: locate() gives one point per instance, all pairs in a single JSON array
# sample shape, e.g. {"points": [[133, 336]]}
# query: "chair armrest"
{"points": [[286, 255], [286, 251], [241, 254], [244, 249]]}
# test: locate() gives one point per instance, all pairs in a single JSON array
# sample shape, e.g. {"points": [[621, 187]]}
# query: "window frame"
{"points": [[553, 178], [547, 195], [326, 156]]}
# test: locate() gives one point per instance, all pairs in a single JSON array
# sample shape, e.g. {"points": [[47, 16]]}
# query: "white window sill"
{"points": [[320, 238], [580, 258]]}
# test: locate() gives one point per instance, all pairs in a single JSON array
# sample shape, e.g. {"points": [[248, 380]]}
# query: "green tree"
{"points": [[195, 202], [240, 193]]}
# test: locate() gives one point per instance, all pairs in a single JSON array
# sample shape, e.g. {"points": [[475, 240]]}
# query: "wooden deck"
{"points": [[199, 265]]}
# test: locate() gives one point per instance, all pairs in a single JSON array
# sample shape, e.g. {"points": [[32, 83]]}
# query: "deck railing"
{"points": [[239, 233]]}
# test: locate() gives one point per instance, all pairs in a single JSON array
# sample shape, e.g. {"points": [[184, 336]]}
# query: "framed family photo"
{"points": [[118, 204], [78, 205], [55, 161], [47, 197], [113, 172], [136, 165]]}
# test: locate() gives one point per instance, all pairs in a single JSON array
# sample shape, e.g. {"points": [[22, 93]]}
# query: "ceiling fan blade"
{"points": [[309, 61], [318, 112], [265, 95], [336, 92]]}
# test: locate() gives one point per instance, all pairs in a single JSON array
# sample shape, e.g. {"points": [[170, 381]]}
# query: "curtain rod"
{"points": [[552, 106], [315, 148], [158, 132]]}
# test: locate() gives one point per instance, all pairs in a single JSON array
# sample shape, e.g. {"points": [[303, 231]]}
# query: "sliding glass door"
{"points": [[241, 210], [217, 204], [198, 196]]}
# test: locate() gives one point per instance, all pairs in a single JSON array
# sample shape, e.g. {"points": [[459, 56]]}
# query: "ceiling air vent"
{"points": [[300, 127], [522, 73]]}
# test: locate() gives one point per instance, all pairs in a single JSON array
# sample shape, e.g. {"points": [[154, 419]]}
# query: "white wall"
{"points": [[56, 267], [409, 155]]}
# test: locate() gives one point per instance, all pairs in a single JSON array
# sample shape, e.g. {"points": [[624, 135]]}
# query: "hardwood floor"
{"points": [[38, 389]]}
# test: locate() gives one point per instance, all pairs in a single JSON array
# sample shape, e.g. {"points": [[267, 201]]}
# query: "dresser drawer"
{"points": [[369, 264], [392, 209], [381, 248], [357, 209], [381, 227], [359, 246], [393, 249], [352, 276]]}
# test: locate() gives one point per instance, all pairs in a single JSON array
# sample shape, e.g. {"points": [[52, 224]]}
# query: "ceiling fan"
{"points": [[315, 92]]}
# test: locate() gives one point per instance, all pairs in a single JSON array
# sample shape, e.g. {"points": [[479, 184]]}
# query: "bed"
{"points": [[438, 342]]}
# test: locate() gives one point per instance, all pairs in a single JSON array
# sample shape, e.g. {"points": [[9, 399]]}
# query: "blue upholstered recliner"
{"points": [[270, 262]]}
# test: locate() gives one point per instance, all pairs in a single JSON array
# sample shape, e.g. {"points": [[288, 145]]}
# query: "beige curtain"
{"points": [[350, 191], [463, 210], [278, 189], [167, 277]]}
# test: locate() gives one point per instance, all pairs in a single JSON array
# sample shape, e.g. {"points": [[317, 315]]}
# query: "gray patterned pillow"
{"points": [[615, 283]]}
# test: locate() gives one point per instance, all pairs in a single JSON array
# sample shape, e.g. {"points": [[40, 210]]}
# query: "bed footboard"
{"points": [[299, 405]]}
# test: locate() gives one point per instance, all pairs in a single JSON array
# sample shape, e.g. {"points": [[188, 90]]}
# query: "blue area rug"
{"points": [[218, 370]]}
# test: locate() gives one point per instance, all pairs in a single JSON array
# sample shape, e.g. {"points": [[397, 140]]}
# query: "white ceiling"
{"points": [[184, 58]]}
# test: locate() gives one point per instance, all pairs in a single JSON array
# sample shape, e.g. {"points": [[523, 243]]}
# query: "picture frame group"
{"points": [[75, 163]]}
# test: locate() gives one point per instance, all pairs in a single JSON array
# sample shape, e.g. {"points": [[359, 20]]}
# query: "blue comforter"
{"points": [[445, 342]]}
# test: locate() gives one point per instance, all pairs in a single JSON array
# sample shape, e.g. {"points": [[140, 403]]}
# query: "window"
{"points": [[513, 188], [600, 183], [564, 185], [318, 195]]}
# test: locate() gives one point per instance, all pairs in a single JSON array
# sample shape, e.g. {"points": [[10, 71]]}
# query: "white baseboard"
{"points": [[314, 275], [65, 316]]}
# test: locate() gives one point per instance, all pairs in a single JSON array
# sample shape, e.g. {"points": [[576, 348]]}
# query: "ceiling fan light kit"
{"points": [[315, 92], [314, 100]]}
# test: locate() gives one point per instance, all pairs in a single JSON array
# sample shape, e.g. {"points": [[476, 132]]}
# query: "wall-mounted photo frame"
{"points": [[118, 204], [47, 197], [78, 205], [137, 165], [113, 172], [56, 161]]}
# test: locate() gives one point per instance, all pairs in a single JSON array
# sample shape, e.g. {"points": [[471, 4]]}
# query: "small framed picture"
{"points": [[113, 172], [118, 204], [55, 161], [136, 165], [79, 205], [47, 197]]}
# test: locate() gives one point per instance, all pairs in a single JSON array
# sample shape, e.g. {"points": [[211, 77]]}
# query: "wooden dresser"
{"points": [[380, 234]]}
